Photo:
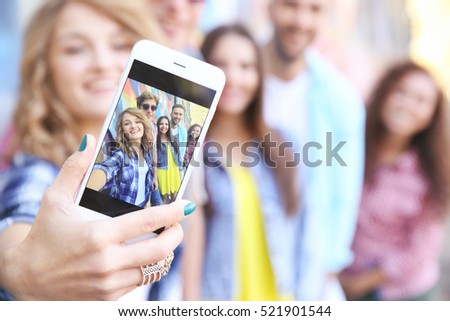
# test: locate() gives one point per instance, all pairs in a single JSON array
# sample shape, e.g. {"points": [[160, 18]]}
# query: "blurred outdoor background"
{"points": [[362, 38]]}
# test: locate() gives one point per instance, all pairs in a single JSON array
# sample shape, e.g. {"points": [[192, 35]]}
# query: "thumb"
{"points": [[74, 168]]}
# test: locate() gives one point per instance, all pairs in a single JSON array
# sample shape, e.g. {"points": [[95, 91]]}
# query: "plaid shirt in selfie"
{"points": [[122, 176]]}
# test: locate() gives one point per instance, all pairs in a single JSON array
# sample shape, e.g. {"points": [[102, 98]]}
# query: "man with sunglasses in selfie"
{"points": [[148, 102]]}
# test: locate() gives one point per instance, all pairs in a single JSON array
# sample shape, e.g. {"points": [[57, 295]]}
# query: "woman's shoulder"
{"points": [[30, 166]]}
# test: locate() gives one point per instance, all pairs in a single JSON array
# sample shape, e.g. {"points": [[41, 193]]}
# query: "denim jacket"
{"points": [[162, 157], [220, 280]]}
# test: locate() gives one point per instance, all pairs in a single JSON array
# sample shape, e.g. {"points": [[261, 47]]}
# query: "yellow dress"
{"points": [[255, 275], [169, 179]]}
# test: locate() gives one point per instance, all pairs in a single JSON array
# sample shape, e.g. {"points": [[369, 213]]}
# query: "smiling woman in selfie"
{"points": [[128, 173], [73, 55], [169, 161]]}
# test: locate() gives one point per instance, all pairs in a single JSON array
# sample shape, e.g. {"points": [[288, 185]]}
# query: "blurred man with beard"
{"points": [[179, 21], [316, 109]]}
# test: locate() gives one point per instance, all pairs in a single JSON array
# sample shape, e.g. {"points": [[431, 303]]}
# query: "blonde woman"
{"points": [[74, 53], [128, 173]]}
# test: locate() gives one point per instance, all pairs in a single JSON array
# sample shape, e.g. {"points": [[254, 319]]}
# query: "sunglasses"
{"points": [[147, 106]]}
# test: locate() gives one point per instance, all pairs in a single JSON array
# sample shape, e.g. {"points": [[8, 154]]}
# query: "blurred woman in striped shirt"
{"points": [[406, 190]]}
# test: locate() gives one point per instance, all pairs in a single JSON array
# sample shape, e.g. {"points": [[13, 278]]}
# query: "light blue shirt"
{"points": [[331, 192], [180, 134], [334, 107]]}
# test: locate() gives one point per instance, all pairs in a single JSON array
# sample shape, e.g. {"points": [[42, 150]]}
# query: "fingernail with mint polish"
{"points": [[83, 144], [189, 208]]}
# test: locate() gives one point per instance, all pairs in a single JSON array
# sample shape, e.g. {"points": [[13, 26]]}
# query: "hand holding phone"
{"points": [[65, 257], [147, 141]]}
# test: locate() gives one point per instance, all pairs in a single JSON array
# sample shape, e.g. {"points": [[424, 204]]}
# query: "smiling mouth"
{"points": [[172, 27], [103, 85]]}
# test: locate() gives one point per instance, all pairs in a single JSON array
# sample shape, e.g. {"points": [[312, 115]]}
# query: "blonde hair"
{"points": [[43, 126], [122, 139]]}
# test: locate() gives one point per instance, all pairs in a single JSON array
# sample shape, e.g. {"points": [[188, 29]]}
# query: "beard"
{"points": [[286, 55]]}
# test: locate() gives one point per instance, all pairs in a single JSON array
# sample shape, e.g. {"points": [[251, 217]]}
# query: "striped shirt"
{"points": [[398, 232]]}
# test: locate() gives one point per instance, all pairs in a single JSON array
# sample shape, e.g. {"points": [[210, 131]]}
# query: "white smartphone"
{"points": [[164, 104]]}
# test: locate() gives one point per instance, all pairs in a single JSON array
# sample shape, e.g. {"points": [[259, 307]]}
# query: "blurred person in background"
{"points": [[317, 110], [70, 71], [180, 23], [400, 226], [241, 246]]}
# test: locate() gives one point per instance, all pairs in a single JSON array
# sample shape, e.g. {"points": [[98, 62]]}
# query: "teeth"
{"points": [[102, 85]]}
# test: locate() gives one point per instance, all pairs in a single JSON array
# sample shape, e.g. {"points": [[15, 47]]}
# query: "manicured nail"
{"points": [[188, 209], [83, 144]]}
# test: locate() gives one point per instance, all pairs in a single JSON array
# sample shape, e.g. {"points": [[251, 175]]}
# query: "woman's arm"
{"points": [[97, 180], [106, 170], [193, 256], [356, 286], [65, 257]]}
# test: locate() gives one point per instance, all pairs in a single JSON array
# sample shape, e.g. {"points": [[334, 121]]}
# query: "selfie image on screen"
{"points": [[149, 142]]}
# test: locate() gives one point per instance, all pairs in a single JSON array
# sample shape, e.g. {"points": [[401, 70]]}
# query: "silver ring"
{"points": [[167, 263], [150, 273], [154, 272]]}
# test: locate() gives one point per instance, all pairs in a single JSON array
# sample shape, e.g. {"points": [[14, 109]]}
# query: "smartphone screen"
{"points": [[147, 149]]}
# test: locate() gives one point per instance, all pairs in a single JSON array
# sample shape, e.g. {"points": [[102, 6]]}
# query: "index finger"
{"points": [[147, 220]]}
